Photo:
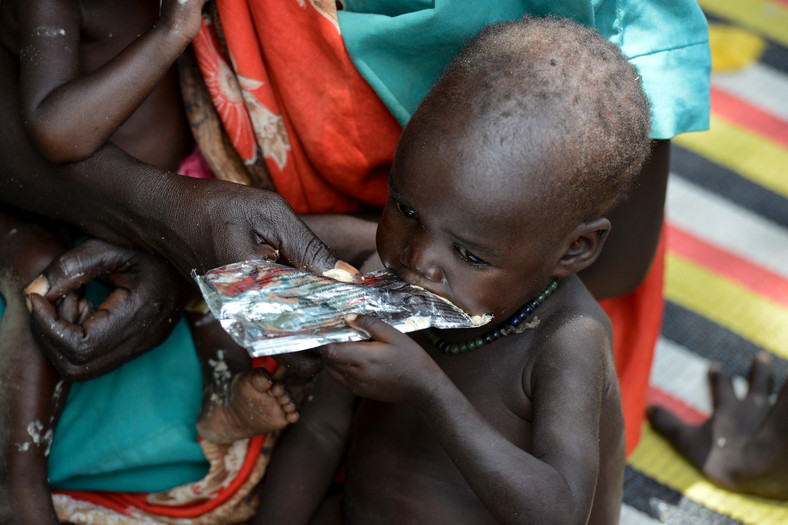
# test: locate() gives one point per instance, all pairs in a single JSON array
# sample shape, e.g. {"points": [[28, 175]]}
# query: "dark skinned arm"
{"points": [[198, 224], [59, 102], [307, 456], [553, 485], [636, 227]]}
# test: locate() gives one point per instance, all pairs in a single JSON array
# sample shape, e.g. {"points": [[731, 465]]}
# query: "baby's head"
{"points": [[503, 175]]}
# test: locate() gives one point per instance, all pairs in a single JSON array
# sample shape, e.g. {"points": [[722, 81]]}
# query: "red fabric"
{"points": [[637, 321], [125, 502], [297, 102]]}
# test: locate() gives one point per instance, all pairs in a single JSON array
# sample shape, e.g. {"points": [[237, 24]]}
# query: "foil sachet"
{"points": [[272, 309]]}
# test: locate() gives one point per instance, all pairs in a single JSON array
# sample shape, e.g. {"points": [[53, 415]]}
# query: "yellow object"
{"points": [[733, 48], [767, 18]]}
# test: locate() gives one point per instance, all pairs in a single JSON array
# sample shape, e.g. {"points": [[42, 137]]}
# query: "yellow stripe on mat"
{"points": [[754, 157], [753, 317], [655, 458], [767, 18]]}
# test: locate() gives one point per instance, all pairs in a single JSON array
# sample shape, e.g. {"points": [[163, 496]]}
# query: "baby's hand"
{"points": [[182, 17], [743, 446], [391, 368]]}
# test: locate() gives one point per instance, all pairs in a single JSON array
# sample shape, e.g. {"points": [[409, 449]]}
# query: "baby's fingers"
{"points": [[760, 377], [373, 328], [722, 393], [692, 442]]}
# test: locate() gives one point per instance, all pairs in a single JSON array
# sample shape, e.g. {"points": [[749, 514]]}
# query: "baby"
{"points": [[498, 195]]}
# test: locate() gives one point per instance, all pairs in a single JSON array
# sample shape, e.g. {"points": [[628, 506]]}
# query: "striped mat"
{"points": [[726, 280]]}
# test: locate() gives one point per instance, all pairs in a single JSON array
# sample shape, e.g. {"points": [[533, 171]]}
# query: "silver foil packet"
{"points": [[272, 309]]}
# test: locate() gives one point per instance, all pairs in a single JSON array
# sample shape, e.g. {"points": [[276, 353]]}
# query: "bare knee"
{"points": [[26, 248]]}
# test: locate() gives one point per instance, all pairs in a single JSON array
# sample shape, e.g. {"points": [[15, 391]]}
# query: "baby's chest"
{"points": [[494, 387]]}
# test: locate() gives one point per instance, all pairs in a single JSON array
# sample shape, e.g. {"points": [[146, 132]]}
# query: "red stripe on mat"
{"points": [[688, 414], [750, 275], [744, 114]]}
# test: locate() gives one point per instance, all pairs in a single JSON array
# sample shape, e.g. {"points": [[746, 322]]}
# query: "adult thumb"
{"points": [[303, 250]]}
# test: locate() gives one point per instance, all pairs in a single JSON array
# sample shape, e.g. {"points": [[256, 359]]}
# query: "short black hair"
{"points": [[552, 87]]}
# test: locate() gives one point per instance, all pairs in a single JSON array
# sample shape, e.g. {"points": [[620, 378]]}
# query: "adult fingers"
{"points": [[689, 441], [297, 243], [58, 338], [69, 307], [81, 264]]}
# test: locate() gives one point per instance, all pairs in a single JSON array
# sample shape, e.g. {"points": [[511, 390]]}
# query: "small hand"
{"points": [[743, 446], [391, 368], [140, 312], [182, 17]]}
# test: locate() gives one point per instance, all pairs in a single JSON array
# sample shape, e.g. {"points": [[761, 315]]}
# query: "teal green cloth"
{"points": [[402, 46], [133, 429]]}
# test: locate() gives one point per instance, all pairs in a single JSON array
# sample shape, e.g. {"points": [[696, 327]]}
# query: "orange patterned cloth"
{"points": [[225, 496], [289, 96]]}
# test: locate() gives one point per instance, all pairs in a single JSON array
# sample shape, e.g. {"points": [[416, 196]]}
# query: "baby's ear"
{"points": [[582, 246]]}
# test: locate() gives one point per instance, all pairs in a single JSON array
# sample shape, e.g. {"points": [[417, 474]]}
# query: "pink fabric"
{"points": [[195, 166]]}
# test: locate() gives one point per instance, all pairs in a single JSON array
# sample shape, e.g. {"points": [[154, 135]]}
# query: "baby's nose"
{"points": [[421, 260]]}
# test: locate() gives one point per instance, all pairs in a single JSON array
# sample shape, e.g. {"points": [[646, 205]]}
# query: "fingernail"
{"points": [[351, 317], [343, 272], [40, 285]]}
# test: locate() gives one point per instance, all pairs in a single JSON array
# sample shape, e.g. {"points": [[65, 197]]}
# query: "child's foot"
{"points": [[252, 405]]}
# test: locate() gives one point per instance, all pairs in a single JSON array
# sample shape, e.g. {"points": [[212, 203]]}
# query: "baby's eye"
{"points": [[404, 210], [468, 256]]}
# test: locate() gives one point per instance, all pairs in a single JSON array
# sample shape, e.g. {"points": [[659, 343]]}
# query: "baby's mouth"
{"points": [[407, 276]]}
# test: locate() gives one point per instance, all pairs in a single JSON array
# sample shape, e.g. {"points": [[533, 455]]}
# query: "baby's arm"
{"points": [[555, 484], [350, 237], [70, 114], [308, 456]]}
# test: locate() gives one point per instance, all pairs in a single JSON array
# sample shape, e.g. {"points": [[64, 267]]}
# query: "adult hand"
{"points": [[194, 224], [392, 368], [141, 310], [743, 446], [218, 222]]}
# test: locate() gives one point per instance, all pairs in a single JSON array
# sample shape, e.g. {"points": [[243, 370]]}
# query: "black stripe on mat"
{"points": [[715, 343], [667, 505], [775, 55], [728, 184]]}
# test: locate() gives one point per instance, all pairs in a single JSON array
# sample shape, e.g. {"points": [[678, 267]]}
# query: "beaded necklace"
{"points": [[511, 326]]}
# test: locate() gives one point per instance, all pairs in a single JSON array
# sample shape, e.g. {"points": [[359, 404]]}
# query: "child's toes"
{"points": [[260, 380]]}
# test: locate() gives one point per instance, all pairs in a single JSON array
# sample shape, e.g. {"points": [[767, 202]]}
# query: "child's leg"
{"points": [[238, 401], [31, 393]]}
